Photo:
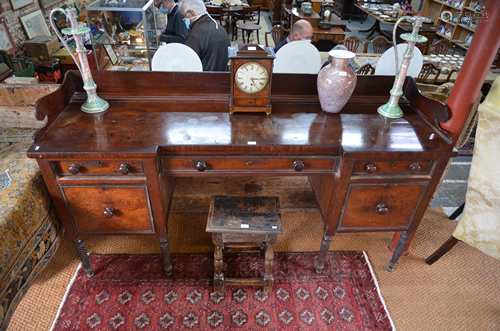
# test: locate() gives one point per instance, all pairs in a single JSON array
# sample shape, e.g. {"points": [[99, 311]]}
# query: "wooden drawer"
{"points": [[382, 206], [386, 168], [100, 168], [109, 208], [248, 164]]}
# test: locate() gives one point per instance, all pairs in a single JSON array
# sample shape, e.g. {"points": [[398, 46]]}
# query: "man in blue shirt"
{"points": [[176, 30]]}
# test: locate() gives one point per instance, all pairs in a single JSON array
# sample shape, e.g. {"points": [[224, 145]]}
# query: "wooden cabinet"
{"points": [[343, 8], [247, 165], [434, 9], [109, 208], [264, 4], [380, 206], [276, 11], [367, 174]]}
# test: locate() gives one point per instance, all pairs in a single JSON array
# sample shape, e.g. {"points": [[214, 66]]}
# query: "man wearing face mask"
{"points": [[206, 37], [301, 30], [176, 31]]}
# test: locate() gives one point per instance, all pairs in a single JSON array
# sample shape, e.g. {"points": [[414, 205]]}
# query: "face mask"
{"points": [[306, 40], [163, 11], [187, 21]]}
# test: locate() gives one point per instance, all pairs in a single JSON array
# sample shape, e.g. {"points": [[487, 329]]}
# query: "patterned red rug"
{"points": [[131, 292]]}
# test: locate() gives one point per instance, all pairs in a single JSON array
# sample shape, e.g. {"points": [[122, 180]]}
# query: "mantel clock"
{"points": [[251, 75], [325, 13]]}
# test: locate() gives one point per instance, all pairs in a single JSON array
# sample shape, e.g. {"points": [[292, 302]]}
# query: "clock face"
{"points": [[251, 77]]}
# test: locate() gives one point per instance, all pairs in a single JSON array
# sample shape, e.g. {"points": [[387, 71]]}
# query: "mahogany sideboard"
{"points": [[114, 172]]}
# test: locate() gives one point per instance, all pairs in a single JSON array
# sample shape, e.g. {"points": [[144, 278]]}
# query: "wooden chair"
{"points": [[442, 47], [217, 14], [380, 45], [428, 69], [448, 79], [354, 44], [278, 33], [250, 13], [366, 69]]}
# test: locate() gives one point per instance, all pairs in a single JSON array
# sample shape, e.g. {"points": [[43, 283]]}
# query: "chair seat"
{"points": [[248, 26]]}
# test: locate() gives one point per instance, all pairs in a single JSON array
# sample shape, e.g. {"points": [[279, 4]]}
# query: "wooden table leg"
{"points": [[325, 245], [371, 29], [218, 262], [268, 276], [165, 255], [84, 257], [403, 240]]}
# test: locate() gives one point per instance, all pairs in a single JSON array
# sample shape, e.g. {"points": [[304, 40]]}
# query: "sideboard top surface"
{"points": [[196, 120]]}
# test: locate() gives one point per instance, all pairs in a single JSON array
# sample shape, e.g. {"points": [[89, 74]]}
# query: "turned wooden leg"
{"points": [[84, 257], [442, 250], [262, 251], [268, 276], [403, 240], [165, 255], [325, 245], [218, 262]]}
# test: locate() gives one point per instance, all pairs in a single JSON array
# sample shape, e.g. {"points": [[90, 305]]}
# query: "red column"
{"points": [[477, 63]]}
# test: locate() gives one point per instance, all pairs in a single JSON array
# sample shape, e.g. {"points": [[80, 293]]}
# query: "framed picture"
{"points": [[111, 54], [16, 4], [34, 24], [47, 3], [5, 38]]}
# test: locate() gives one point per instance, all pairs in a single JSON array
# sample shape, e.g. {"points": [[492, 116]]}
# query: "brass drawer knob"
{"points": [[201, 166], [298, 165], [74, 168], [124, 169], [382, 208], [108, 212], [370, 168], [415, 167]]}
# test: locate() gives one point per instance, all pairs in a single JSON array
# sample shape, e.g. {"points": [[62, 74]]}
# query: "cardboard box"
{"points": [[42, 47]]}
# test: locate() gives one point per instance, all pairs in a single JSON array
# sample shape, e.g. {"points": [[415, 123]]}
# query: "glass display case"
{"points": [[123, 33]]}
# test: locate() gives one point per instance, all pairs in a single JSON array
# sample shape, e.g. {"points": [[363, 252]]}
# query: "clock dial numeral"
{"points": [[251, 77]]}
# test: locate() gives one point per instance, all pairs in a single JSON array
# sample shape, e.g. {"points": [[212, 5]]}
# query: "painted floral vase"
{"points": [[336, 81]]}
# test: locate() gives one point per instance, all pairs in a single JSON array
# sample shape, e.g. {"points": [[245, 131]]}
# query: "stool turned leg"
{"points": [[268, 276], [218, 275], [262, 252], [325, 245]]}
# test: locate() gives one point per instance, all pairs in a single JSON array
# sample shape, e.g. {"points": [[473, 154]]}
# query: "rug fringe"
{"points": [[66, 294], [378, 290]]}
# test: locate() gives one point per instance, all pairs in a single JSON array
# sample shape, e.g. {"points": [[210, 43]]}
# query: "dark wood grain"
{"points": [[88, 204], [160, 126]]}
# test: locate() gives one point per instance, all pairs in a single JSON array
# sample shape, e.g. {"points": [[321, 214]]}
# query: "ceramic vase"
{"points": [[336, 82]]}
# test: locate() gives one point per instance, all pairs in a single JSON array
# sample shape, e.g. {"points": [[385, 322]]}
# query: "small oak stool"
{"points": [[245, 224]]}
